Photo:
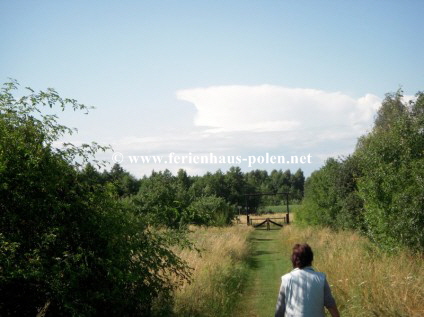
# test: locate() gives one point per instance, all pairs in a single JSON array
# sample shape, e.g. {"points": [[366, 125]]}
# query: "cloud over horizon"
{"points": [[270, 108], [254, 120]]}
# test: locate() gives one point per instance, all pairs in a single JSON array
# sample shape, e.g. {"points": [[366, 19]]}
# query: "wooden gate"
{"points": [[266, 222]]}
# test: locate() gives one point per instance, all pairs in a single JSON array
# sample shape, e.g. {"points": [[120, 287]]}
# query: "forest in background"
{"points": [[211, 199]]}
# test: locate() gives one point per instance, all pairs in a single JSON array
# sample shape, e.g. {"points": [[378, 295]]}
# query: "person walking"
{"points": [[304, 292]]}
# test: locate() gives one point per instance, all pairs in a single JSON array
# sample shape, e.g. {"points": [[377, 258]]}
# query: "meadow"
{"points": [[365, 280], [220, 271]]}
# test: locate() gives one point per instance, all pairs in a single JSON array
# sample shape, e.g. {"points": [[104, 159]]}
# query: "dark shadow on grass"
{"points": [[259, 252], [253, 262]]}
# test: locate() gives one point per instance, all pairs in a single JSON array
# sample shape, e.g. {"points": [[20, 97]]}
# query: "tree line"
{"points": [[210, 199], [379, 188], [78, 242]]}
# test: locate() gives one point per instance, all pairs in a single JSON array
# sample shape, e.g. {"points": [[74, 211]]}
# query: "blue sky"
{"points": [[224, 77]]}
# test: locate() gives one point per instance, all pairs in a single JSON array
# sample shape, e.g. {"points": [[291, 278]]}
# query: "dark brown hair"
{"points": [[302, 255]]}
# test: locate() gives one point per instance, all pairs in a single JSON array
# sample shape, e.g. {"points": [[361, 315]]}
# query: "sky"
{"points": [[234, 78]]}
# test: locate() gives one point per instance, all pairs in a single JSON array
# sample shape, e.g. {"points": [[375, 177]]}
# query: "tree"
{"points": [[297, 185], [162, 199], [392, 160], [320, 203], [68, 246], [379, 189], [392, 108], [236, 186], [210, 211], [124, 183], [331, 197]]}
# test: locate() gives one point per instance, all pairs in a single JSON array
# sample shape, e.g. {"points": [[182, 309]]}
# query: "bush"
{"points": [[68, 247], [331, 197], [211, 211], [379, 189], [392, 159]]}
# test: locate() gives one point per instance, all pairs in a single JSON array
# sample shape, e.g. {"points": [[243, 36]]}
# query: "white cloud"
{"points": [[267, 108], [254, 120]]}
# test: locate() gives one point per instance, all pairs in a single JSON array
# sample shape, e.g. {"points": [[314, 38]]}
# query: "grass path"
{"points": [[267, 264]]}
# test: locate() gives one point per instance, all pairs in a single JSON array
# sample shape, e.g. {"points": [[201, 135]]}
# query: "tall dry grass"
{"points": [[219, 271], [365, 281]]}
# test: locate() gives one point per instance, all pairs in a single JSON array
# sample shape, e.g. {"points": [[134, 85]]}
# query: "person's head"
{"points": [[302, 255]]}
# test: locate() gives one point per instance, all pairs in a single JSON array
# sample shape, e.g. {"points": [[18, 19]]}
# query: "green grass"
{"points": [[267, 264]]}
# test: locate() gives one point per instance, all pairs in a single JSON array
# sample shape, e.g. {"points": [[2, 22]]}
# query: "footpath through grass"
{"points": [[237, 273], [267, 264]]}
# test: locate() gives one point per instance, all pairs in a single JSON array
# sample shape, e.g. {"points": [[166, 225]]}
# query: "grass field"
{"points": [[238, 272], [220, 271], [365, 281]]}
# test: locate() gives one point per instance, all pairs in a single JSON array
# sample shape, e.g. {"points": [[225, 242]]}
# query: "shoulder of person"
{"points": [[322, 275], [286, 276]]}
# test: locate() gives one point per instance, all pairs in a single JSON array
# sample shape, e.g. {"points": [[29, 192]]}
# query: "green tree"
{"points": [[209, 185], [163, 199], [391, 109], [297, 185], [379, 189], [392, 160], [320, 206], [124, 183], [236, 186], [210, 211], [331, 197], [68, 246]]}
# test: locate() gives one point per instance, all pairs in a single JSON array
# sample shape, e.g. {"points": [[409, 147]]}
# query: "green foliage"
{"points": [[211, 185], [67, 244], [124, 183], [319, 205], [120, 181], [276, 182], [165, 200], [233, 185], [162, 198], [330, 196], [172, 201], [392, 160], [379, 189], [210, 211]]}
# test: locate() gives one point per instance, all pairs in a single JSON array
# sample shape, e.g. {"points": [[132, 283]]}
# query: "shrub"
{"points": [[68, 247], [210, 210]]}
